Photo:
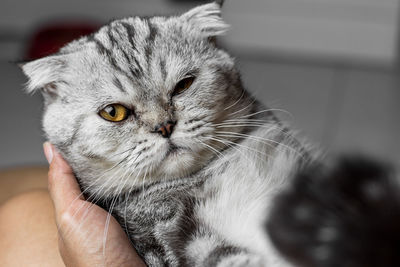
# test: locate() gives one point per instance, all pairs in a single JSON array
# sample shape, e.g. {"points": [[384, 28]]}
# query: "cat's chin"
{"points": [[178, 162]]}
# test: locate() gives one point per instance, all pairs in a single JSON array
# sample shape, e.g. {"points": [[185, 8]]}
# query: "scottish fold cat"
{"points": [[154, 119]]}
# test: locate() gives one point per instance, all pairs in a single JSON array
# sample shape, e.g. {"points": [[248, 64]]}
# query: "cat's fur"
{"points": [[202, 196], [346, 214]]}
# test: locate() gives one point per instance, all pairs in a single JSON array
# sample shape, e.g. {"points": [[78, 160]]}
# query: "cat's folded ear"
{"points": [[207, 19], [44, 73]]}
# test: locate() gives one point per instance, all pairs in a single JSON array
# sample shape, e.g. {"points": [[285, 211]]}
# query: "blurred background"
{"points": [[332, 64]]}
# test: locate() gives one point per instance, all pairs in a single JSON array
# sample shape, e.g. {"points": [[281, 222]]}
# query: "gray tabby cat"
{"points": [[154, 120]]}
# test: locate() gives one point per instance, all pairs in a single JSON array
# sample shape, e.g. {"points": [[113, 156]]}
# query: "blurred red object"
{"points": [[49, 39]]}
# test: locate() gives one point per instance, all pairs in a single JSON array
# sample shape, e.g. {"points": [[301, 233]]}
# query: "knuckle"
{"points": [[65, 219]]}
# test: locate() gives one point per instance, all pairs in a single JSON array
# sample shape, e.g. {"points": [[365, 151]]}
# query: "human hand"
{"points": [[81, 224]]}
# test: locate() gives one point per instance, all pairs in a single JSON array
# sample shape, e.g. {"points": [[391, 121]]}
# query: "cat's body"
{"points": [[217, 214], [192, 166], [155, 122]]}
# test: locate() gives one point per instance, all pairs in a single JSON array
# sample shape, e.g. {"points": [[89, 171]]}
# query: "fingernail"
{"points": [[48, 151]]}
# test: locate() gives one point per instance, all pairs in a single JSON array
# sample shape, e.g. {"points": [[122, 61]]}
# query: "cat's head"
{"points": [[140, 99]]}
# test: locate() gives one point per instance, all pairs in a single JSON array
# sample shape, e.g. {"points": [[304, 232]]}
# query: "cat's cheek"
{"points": [[179, 106], [55, 132]]}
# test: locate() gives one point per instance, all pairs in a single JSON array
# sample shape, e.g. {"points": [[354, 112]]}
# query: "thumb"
{"points": [[63, 187]]}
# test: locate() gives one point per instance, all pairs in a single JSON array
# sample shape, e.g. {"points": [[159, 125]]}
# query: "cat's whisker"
{"points": [[270, 110], [248, 120], [95, 196], [106, 184], [112, 181], [144, 177], [237, 147], [130, 149], [107, 224], [243, 146], [95, 181], [241, 136], [237, 101], [282, 130], [110, 169], [261, 139], [98, 195], [262, 123], [250, 105], [208, 147], [89, 205], [123, 152], [89, 187], [217, 153], [119, 191], [110, 210], [127, 198], [243, 125], [223, 141]]}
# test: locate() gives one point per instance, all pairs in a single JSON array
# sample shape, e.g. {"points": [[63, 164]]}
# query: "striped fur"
{"points": [[198, 198]]}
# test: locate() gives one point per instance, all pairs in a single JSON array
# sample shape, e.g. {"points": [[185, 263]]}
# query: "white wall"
{"points": [[348, 30], [343, 30]]}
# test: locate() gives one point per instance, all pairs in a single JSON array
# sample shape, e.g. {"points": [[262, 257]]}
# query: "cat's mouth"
{"points": [[173, 149], [177, 161]]}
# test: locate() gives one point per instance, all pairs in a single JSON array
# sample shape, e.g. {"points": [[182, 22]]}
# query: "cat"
{"points": [[152, 116], [345, 213]]}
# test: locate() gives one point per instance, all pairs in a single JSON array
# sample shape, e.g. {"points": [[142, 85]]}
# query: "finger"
{"points": [[63, 187]]}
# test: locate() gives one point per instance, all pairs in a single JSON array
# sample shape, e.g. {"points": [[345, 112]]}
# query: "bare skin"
{"points": [[28, 233], [60, 228]]}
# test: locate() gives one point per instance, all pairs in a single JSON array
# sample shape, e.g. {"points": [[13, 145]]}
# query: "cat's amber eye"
{"points": [[114, 113], [183, 85]]}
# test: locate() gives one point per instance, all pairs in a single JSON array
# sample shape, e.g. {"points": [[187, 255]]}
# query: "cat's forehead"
{"points": [[136, 33], [139, 55], [138, 41], [151, 51]]}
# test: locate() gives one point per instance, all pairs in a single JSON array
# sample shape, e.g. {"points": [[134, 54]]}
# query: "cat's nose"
{"points": [[165, 129]]}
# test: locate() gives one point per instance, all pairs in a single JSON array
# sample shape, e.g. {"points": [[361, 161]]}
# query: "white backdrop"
{"points": [[344, 30]]}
